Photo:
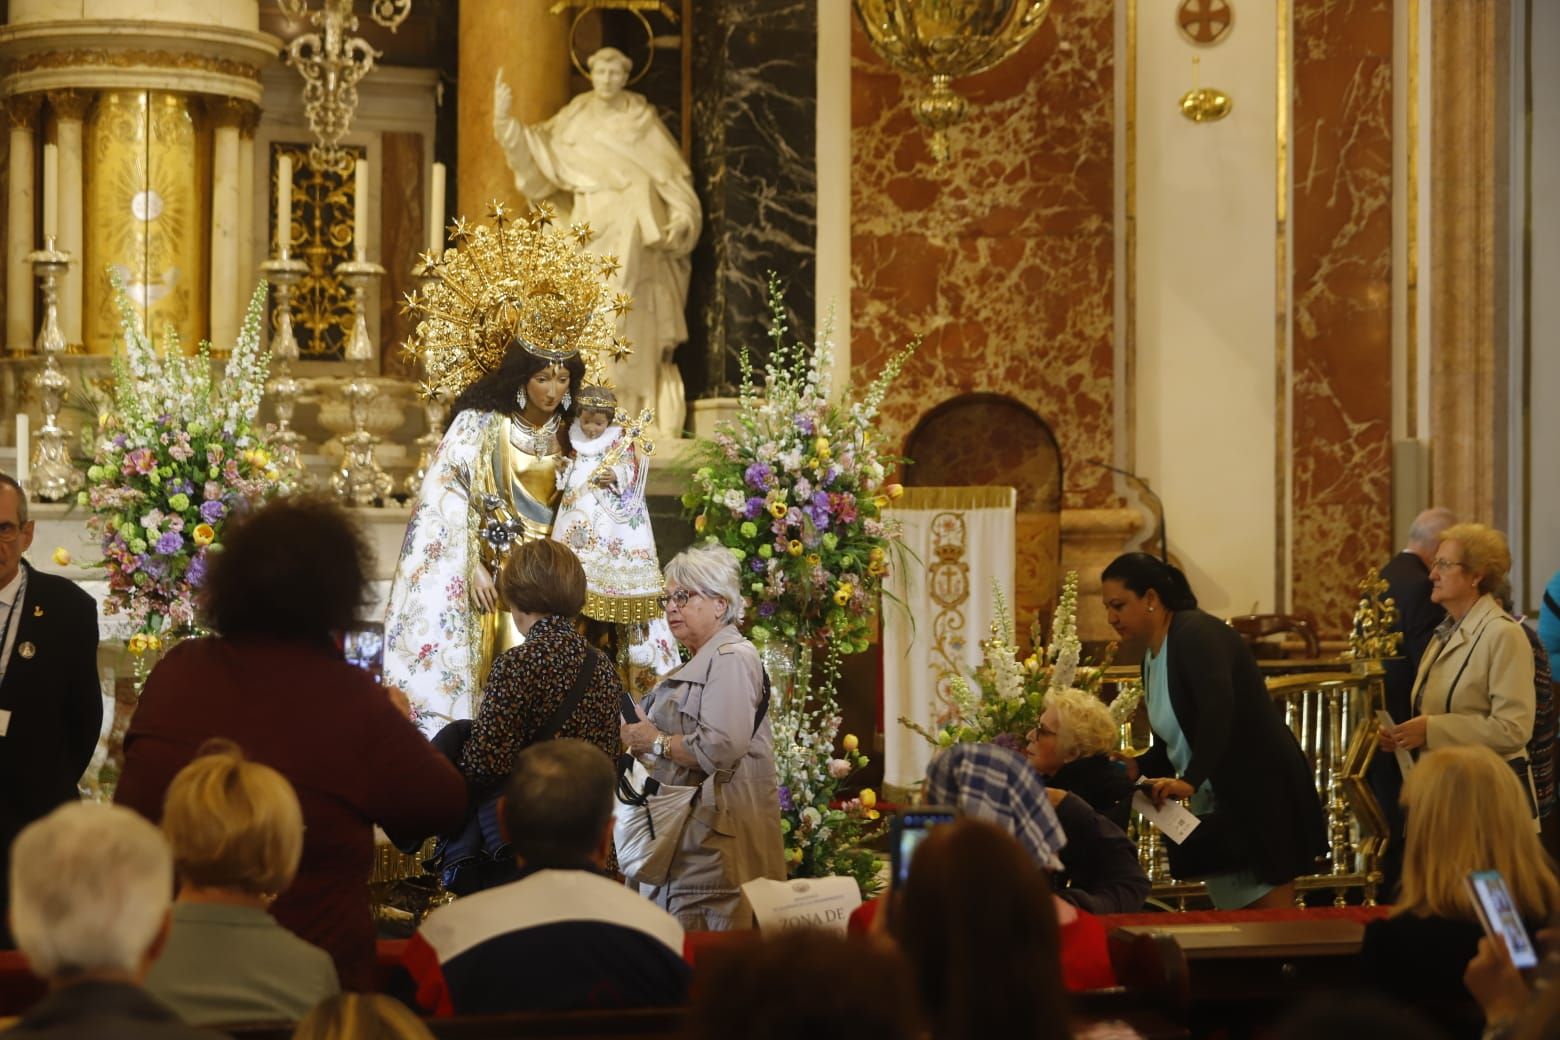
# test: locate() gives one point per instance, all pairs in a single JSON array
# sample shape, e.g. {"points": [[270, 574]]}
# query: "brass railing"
{"points": [[1332, 713]]}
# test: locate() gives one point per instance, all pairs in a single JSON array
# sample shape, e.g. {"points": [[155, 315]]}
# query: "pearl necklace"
{"points": [[537, 440]]}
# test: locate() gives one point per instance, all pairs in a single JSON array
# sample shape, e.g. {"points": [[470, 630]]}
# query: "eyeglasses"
{"points": [[1445, 565], [680, 598], [9, 532]]}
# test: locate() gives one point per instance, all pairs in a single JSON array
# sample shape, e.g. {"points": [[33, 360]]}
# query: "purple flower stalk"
{"points": [[785, 799]]}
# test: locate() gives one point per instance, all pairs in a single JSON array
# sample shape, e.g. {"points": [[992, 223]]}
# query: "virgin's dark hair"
{"points": [[295, 568], [976, 920], [1141, 572], [495, 392]]}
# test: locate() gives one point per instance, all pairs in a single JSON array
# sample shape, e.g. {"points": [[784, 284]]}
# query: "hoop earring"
{"points": [[520, 398], [567, 400]]}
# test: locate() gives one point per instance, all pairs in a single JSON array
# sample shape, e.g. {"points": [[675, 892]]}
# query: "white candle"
{"points": [[436, 212], [23, 449], [283, 205], [360, 211], [51, 191]]}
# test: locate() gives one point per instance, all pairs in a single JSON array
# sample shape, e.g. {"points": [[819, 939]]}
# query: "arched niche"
{"points": [[988, 439]]}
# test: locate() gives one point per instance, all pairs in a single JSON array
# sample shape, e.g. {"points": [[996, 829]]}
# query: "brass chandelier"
{"points": [[942, 40], [332, 62]]}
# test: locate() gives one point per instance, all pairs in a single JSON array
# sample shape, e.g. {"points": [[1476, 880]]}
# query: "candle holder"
{"points": [[283, 273], [53, 476], [360, 479], [435, 406]]}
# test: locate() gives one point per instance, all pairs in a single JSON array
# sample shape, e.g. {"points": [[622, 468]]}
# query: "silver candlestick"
{"points": [[435, 406], [283, 273], [53, 476], [359, 479]]}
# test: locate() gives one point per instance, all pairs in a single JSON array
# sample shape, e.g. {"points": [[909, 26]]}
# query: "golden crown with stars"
{"points": [[514, 281]]}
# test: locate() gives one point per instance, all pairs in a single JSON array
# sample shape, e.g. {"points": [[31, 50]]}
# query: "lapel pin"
{"points": [[27, 650]]}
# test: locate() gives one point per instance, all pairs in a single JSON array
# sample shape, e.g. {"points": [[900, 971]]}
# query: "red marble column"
{"points": [[1341, 223]]}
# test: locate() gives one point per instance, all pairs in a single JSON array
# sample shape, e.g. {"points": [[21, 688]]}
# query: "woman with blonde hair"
{"points": [[1069, 746], [1465, 812], [1475, 682], [362, 1016], [236, 831]]}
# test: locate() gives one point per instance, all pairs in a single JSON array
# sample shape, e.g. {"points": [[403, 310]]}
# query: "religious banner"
{"points": [[961, 539]]}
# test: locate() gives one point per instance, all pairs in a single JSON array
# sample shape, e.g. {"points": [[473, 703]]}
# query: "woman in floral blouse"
{"points": [[543, 585]]}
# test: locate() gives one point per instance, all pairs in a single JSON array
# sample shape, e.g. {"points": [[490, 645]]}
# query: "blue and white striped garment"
{"points": [[998, 785]]}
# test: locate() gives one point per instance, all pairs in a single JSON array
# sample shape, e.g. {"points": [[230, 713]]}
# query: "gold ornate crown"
{"points": [[514, 280], [597, 397]]}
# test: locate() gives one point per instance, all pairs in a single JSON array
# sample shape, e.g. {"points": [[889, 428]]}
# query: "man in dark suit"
{"points": [[51, 704], [1408, 583]]}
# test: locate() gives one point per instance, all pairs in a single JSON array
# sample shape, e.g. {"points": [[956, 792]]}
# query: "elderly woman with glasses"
{"points": [[708, 724], [1475, 682]]}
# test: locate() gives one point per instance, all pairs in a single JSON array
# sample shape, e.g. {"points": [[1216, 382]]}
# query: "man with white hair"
{"points": [[1408, 583], [90, 892]]}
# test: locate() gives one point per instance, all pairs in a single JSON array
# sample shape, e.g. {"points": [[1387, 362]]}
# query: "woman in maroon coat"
{"points": [[291, 578]]}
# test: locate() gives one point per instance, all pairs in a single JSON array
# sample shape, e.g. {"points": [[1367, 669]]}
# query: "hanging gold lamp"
{"points": [[943, 40]]}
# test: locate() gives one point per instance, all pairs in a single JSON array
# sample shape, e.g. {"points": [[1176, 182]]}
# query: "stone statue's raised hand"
{"points": [[503, 99]]}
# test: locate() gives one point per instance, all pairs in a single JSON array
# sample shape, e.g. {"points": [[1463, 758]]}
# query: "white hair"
{"points": [[90, 889], [1424, 534], [712, 570]]}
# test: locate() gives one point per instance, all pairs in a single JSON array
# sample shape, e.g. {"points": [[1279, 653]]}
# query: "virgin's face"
{"points": [[607, 78], [1127, 612], [547, 387]]}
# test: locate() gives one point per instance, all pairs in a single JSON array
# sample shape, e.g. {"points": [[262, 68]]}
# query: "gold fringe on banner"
{"points": [[957, 498]]}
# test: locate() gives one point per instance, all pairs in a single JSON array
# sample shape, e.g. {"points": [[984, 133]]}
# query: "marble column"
{"points": [[247, 258], [532, 48], [226, 296], [755, 100], [19, 238], [1469, 274], [70, 108]]}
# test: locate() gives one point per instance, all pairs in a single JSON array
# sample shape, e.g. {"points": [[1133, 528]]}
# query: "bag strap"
{"points": [[576, 694], [1549, 601], [763, 703]]}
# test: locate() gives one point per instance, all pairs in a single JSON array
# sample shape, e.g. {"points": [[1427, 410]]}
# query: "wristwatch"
{"points": [[658, 745]]}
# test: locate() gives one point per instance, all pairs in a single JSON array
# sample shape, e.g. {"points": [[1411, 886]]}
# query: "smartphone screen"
{"points": [[364, 646], [1498, 914], [909, 829]]}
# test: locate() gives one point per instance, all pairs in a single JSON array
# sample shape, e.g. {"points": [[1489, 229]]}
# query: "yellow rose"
{"points": [[821, 446], [877, 568], [843, 593], [62, 556], [881, 501], [794, 548], [876, 554], [895, 490], [813, 559], [699, 522], [850, 743], [873, 814], [137, 644], [868, 798], [257, 457], [203, 534], [153, 643], [777, 510]]}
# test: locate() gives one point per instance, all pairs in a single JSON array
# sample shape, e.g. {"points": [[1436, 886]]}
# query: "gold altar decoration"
{"points": [[147, 194], [1374, 636], [1204, 104], [637, 8], [323, 201], [331, 64], [513, 277], [943, 40]]}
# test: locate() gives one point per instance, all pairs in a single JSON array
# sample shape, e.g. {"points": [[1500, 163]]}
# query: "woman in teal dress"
{"points": [[1220, 743]]}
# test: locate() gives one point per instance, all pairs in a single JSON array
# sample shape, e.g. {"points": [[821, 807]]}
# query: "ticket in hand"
{"points": [[1172, 818]]}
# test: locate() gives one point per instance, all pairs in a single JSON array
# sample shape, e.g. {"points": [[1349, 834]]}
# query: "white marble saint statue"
{"points": [[606, 159]]}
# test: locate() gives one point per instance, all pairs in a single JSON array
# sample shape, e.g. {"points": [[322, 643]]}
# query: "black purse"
{"points": [[475, 856]]}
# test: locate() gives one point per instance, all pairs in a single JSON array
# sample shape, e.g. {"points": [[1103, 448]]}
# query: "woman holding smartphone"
{"points": [[1220, 744], [1466, 813]]}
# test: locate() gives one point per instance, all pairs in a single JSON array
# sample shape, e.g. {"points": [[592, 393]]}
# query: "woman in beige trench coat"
{"points": [[707, 723]]}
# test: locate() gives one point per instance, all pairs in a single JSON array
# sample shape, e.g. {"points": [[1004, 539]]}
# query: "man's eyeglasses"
{"points": [[680, 598], [1445, 565], [9, 532]]}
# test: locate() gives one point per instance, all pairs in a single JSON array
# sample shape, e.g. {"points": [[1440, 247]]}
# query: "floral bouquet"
{"points": [[177, 454], [1008, 695], [823, 833], [794, 487]]}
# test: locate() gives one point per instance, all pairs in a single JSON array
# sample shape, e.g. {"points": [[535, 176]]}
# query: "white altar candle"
{"points": [[283, 205], [23, 449], [51, 191], [436, 212], [360, 211]]}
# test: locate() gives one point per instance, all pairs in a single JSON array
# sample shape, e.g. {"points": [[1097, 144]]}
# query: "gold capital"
{"points": [[70, 104], [23, 110]]}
